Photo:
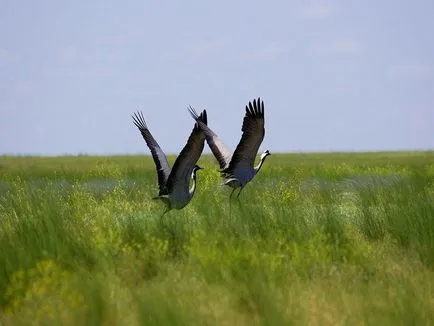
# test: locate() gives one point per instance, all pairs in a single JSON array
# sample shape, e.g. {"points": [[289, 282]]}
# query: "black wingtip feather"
{"points": [[204, 117], [139, 120], [198, 117], [255, 108], [193, 112]]}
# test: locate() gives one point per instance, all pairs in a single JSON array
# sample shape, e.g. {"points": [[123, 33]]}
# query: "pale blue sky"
{"points": [[334, 75]]}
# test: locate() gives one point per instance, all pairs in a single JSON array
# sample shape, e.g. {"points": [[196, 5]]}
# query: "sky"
{"points": [[334, 75]]}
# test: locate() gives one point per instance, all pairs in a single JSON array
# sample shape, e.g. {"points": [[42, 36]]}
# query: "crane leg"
{"points": [[164, 213], [165, 227], [230, 201], [239, 192], [232, 192]]}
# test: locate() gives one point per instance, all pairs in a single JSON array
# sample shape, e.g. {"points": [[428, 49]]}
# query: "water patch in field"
{"points": [[373, 181], [357, 182], [96, 186], [318, 183]]}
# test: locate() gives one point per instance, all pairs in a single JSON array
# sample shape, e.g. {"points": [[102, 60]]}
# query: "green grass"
{"points": [[317, 239]]}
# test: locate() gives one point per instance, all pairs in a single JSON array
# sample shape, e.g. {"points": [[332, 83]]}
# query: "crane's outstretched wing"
{"points": [[220, 151], [160, 159], [253, 134], [179, 178]]}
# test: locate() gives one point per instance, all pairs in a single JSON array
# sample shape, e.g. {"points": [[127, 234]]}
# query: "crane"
{"points": [[173, 183], [237, 169]]}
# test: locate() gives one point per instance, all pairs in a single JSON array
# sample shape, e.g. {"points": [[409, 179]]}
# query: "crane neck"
{"points": [[193, 186], [259, 166]]}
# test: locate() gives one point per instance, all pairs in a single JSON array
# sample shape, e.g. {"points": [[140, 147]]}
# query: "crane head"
{"points": [[265, 154], [196, 168]]}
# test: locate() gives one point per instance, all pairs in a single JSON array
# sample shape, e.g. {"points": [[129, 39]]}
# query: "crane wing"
{"points": [[253, 134], [179, 178], [160, 159], [218, 148]]}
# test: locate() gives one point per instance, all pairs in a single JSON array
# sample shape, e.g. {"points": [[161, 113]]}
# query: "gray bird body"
{"points": [[174, 190], [238, 168]]}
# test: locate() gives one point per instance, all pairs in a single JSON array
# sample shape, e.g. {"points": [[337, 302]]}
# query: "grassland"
{"points": [[317, 239]]}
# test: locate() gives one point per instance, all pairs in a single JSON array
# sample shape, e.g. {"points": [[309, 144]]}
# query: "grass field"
{"points": [[317, 239]]}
